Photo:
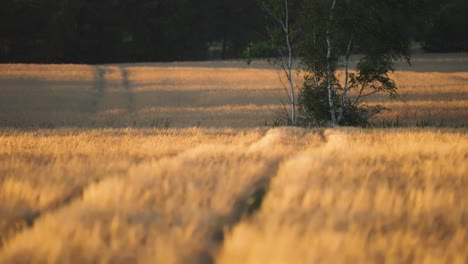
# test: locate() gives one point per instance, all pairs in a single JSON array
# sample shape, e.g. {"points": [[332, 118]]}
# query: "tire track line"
{"points": [[27, 219], [126, 84]]}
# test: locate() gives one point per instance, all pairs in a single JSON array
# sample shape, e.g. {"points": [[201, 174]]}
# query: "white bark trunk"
{"points": [[292, 95], [287, 62], [329, 70]]}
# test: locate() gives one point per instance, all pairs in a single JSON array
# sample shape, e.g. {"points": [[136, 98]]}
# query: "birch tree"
{"points": [[280, 47], [332, 31]]}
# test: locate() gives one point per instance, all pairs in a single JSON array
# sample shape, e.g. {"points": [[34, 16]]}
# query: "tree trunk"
{"points": [[329, 70], [289, 66], [286, 60]]}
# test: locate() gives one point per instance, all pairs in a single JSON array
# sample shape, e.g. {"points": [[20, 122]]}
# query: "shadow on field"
{"points": [[120, 95], [124, 74], [99, 86], [420, 62]]}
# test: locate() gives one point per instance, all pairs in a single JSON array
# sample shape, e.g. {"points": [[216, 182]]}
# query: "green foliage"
{"points": [[313, 104], [324, 37], [314, 107], [274, 48], [85, 31], [372, 74], [329, 39], [161, 30], [259, 50]]}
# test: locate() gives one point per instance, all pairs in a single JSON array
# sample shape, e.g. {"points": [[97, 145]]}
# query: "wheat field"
{"points": [[173, 163], [217, 94]]}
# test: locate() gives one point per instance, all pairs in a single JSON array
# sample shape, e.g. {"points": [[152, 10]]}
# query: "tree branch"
{"points": [[286, 60], [371, 93], [280, 21], [363, 86]]}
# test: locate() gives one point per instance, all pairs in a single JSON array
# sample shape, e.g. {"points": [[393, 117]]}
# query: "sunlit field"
{"points": [[220, 94], [178, 163], [376, 196]]}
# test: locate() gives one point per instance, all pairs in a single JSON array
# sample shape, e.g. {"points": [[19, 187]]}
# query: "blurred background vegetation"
{"points": [[107, 31]]}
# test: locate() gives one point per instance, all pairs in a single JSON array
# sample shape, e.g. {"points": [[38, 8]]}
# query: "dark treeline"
{"points": [[90, 31]]}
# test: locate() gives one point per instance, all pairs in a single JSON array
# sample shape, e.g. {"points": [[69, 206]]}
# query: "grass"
{"points": [[173, 163], [185, 195], [400, 199], [224, 94], [172, 191]]}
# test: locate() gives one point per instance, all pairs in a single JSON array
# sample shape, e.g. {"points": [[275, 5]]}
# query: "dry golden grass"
{"points": [[378, 196], [135, 195], [170, 196], [439, 98], [216, 94], [109, 183]]}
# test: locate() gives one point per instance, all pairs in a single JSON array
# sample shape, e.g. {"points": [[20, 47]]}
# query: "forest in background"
{"points": [[110, 31]]}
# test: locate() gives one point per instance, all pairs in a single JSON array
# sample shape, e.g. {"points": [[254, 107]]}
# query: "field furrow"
{"points": [[179, 163], [43, 171], [364, 197], [170, 210]]}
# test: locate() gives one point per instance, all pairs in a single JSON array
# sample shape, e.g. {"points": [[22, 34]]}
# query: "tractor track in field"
{"points": [[101, 86], [27, 219], [251, 200], [246, 203], [126, 84]]}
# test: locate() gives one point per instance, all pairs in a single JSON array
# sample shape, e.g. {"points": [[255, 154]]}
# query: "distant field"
{"points": [[209, 94], [173, 163]]}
